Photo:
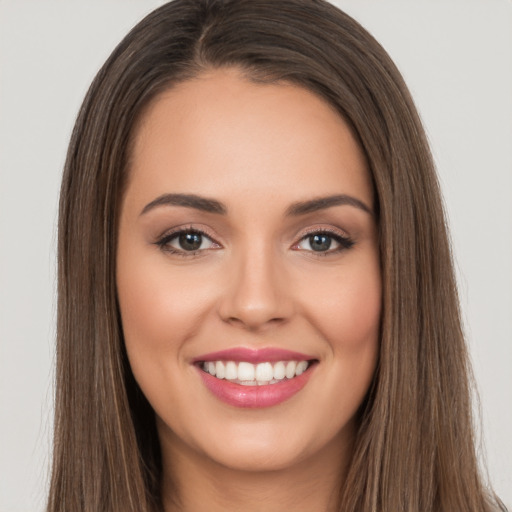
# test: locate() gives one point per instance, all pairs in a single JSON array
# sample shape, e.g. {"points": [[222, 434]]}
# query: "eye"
{"points": [[186, 241], [324, 242]]}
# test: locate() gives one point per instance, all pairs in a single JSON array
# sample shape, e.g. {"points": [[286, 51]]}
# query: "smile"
{"points": [[261, 374], [255, 378]]}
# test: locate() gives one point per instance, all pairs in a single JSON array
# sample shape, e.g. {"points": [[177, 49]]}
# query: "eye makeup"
{"points": [[191, 241]]}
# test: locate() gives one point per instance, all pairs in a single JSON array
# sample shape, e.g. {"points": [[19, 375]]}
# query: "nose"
{"points": [[257, 294]]}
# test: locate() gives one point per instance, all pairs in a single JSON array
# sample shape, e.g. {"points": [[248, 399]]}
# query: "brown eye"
{"points": [[186, 241], [190, 241]]}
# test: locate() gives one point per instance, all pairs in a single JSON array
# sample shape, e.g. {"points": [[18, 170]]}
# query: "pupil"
{"points": [[190, 241], [320, 242]]}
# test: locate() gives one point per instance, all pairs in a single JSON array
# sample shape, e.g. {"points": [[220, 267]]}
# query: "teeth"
{"points": [[260, 374], [279, 371], [231, 370], [264, 372], [301, 367], [220, 370], [246, 371], [291, 366]]}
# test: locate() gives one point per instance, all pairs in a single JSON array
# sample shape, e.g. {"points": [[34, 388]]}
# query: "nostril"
{"points": [[256, 294], [253, 322]]}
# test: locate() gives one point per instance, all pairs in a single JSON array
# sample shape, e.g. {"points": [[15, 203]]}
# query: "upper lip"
{"points": [[251, 355]]}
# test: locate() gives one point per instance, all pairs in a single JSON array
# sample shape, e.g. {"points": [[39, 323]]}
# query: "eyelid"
{"points": [[323, 229], [163, 240], [344, 240]]}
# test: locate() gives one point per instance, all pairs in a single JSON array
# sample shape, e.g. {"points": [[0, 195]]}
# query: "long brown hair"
{"points": [[415, 446]]}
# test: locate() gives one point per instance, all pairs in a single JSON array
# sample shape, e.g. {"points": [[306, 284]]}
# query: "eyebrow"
{"points": [[188, 201], [213, 206], [321, 203]]}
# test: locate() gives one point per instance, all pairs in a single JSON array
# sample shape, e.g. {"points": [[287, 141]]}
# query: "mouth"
{"points": [[255, 378], [245, 373]]}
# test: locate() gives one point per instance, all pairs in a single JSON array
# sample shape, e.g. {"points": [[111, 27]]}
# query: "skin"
{"points": [[257, 149]]}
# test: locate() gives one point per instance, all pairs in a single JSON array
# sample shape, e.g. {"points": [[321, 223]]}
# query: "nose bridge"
{"points": [[256, 295]]}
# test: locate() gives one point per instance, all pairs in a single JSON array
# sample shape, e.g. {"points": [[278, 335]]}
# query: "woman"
{"points": [[251, 312]]}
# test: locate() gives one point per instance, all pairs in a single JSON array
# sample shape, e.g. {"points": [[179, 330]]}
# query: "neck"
{"points": [[195, 483]]}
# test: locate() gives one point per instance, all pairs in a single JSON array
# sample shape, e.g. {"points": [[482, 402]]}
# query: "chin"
{"points": [[257, 445], [260, 456]]}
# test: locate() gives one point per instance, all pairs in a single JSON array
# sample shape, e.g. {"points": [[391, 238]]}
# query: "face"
{"points": [[248, 273]]}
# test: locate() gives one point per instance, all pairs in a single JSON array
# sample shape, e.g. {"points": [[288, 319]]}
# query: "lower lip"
{"points": [[255, 396]]}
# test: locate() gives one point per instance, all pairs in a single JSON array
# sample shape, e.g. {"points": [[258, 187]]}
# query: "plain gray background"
{"points": [[456, 56]]}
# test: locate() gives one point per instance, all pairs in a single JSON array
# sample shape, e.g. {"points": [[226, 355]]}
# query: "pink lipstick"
{"points": [[254, 355], [254, 378]]}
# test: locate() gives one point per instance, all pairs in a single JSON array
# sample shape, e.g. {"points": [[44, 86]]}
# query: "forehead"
{"points": [[221, 134]]}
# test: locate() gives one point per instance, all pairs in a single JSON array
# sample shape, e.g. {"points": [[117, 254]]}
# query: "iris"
{"points": [[190, 241], [320, 242]]}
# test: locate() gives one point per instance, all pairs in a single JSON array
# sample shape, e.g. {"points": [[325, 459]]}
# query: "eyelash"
{"points": [[165, 240], [344, 242]]}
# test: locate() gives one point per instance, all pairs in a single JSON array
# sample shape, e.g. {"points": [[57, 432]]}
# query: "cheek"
{"points": [[160, 304], [160, 311], [357, 318], [148, 309], [346, 311], [346, 307]]}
